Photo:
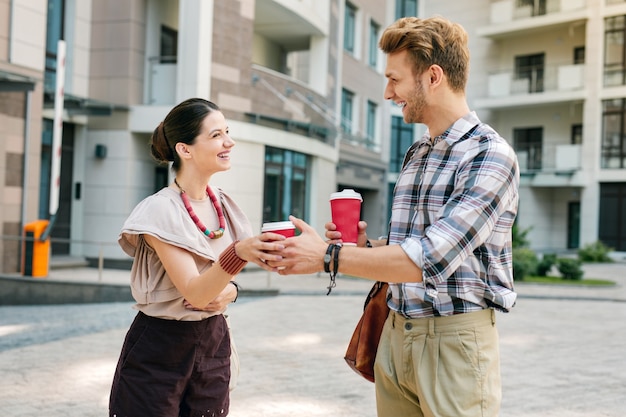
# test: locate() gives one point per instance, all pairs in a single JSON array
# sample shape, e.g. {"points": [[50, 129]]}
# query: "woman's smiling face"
{"points": [[211, 148]]}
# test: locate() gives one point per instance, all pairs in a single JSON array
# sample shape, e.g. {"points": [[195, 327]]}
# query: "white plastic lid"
{"points": [[268, 227], [347, 193]]}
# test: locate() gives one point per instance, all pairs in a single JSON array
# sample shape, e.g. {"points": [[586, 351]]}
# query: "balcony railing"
{"points": [[321, 133], [283, 102], [509, 10], [360, 140], [161, 80], [554, 78], [550, 159]]}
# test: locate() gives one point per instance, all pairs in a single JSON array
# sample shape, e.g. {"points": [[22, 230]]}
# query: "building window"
{"points": [[161, 177], [612, 224], [371, 123], [528, 145], [401, 140], [66, 188], [579, 55], [573, 224], [613, 152], [390, 189], [406, 8], [46, 168], [373, 58], [577, 134], [285, 184], [54, 33], [614, 54], [536, 7], [349, 28], [529, 73], [169, 45], [347, 109]]}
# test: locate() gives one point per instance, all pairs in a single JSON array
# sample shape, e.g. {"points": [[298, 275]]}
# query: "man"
{"points": [[448, 257]]}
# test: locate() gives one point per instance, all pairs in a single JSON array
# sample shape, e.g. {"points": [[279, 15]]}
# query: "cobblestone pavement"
{"points": [[562, 350]]}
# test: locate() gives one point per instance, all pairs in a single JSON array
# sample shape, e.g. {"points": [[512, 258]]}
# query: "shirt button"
{"points": [[408, 326]]}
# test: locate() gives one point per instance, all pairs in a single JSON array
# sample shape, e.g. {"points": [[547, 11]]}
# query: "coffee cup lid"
{"points": [[347, 193], [277, 226]]}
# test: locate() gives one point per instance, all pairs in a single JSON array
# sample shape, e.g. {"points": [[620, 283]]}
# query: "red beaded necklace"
{"points": [[212, 234]]}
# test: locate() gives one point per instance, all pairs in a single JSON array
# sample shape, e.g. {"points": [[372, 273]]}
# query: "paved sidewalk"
{"points": [[562, 350], [262, 281]]}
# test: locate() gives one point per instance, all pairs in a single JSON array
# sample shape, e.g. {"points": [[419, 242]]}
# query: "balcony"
{"points": [[291, 37], [509, 19], [552, 166], [360, 140], [161, 80], [549, 85], [285, 103]]}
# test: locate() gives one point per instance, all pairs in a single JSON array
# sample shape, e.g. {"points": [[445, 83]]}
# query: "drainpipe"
{"points": [[10, 28], [26, 168]]}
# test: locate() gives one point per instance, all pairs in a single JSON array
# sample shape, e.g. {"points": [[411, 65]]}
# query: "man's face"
{"points": [[405, 89]]}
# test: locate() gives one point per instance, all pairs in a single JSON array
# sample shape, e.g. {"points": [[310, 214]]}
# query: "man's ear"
{"points": [[436, 75]]}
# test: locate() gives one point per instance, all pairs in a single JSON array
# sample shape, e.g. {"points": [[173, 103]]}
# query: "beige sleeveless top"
{"points": [[163, 215]]}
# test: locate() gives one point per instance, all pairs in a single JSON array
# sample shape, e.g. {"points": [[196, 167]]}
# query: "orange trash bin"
{"points": [[35, 253]]}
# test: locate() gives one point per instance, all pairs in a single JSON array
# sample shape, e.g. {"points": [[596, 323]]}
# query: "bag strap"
{"points": [[378, 286]]}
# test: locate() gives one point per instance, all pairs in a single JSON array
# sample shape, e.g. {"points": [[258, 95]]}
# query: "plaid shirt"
{"points": [[453, 208]]}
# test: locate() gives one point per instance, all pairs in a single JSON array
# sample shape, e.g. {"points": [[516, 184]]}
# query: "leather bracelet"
{"points": [[327, 258], [334, 252], [230, 262], [336, 259], [237, 287]]}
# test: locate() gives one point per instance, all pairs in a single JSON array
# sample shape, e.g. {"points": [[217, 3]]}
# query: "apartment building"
{"points": [[550, 76], [301, 83], [305, 109]]}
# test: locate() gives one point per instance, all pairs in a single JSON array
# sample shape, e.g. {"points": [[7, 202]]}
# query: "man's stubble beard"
{"points": [[415, 107]]}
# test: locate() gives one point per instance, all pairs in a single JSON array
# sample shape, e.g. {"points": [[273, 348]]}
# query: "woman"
{"points": [[188, 241]]}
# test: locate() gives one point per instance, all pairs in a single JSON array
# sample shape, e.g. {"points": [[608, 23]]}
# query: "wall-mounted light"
{"points": [[101, 151]]}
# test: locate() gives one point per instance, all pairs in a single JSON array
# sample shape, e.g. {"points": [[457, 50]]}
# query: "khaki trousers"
{"points": [[439, 367]]}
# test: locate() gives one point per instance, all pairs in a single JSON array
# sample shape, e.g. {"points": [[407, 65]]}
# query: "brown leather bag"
{"points": [[363, 345]]}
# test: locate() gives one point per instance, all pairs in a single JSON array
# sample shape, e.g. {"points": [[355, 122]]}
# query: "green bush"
{"points": [[545, 264], [570, 268], [524, 263], [519, 239], [595, 252]]}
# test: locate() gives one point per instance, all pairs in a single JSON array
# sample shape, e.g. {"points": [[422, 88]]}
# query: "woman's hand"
{"points": [[262, 248], [219, 303]]}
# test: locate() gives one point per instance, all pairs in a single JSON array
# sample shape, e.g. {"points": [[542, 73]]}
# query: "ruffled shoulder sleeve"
{"points": [[237, 221], [163, 216]]}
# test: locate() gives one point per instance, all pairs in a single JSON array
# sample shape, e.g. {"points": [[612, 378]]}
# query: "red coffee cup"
{"points": [[286, 228], [345, 208]]}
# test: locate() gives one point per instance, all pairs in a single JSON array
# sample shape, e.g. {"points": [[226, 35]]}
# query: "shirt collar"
{"points": [[454, 132]]}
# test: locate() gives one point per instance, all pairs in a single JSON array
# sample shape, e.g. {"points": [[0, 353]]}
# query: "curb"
{"points": [[18, 290]]}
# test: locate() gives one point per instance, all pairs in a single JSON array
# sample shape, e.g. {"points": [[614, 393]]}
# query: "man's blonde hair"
{"points": [[431, 41]]}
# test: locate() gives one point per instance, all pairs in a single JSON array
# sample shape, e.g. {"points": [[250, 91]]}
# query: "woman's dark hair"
{"points": [[182, 124]]}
